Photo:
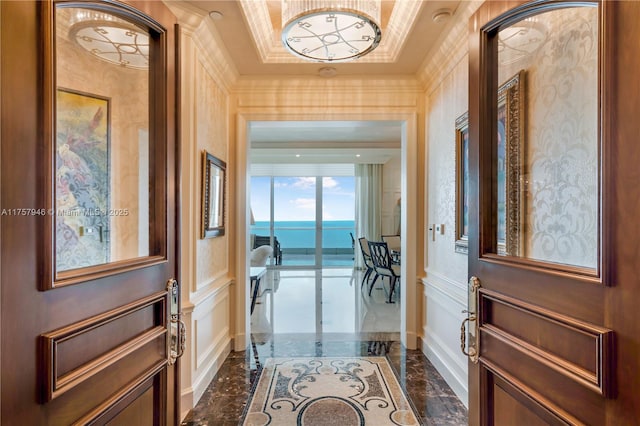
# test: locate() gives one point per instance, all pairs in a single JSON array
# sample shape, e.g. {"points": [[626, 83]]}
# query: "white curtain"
{"points": [[368, 205]]}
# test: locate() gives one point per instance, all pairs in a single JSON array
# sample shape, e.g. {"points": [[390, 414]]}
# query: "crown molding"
{"points": [[301, 84], [189, 16], [271, 50], [195, 23], [217, 56], [300, 93], [450, 48], [256, 13]]}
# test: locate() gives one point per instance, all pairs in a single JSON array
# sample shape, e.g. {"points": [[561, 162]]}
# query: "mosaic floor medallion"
{"points": [[328, 391]]}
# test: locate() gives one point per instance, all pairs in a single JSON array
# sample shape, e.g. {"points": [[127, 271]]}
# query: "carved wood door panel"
{"points": [[552, 335], [90, 321]]}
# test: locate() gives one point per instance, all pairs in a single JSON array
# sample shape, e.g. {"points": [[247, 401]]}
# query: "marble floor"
{"points": [[324, 313]]}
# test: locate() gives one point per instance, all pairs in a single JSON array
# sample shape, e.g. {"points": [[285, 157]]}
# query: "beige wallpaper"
{"points": [[561, 155], [127, 89], [211, 134], [444, 104]]}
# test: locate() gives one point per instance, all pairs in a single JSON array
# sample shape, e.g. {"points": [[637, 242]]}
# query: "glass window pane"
{"points": [[338, 220], [102, 139], [260, 205], [295, 219], [547, 154]]}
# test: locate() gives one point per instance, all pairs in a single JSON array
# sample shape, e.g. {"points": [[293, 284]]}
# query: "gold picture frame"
{"points": [[510, 165], [462, 184], [509, 170], [213, 194]]}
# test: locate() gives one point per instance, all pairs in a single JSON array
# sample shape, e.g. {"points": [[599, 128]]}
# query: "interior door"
{"points": [[90, 321], [552, 333]]}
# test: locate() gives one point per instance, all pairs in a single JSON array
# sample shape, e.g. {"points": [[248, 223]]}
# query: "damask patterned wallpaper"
{"points": [[560, 171], [445, 103], [211, 113]]}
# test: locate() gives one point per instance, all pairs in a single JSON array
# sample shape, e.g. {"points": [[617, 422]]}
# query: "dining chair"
{"points": [[383, 265], [366, 255], [394, 243]]}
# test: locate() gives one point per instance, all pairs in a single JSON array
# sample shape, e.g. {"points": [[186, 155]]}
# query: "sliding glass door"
{"points": [[309, 220], [338, 220], [294, 219]]}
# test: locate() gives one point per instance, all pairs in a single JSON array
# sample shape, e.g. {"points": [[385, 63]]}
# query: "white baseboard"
{"points": [[448, 298], [447, 367], [209, 370]]}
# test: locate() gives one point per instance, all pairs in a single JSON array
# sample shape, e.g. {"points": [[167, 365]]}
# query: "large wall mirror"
{"points": [[547, 174], [104, 159]]}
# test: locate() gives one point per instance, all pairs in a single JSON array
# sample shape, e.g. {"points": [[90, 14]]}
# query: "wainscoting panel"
{"points": [[441, 333], [212, 338]]}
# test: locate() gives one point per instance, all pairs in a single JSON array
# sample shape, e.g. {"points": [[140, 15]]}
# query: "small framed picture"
{"points": [[213, 184], [462, 183]]}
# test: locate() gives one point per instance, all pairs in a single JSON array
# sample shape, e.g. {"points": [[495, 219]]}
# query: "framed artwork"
{"points": [[82, 161], [213, 184], [462, 183], [510, 153]]}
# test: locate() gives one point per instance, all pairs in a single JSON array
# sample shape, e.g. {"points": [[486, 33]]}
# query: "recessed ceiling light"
{"points": [[216, 15], [327, 72], [297, 155], [441, 15], [357, 155]]}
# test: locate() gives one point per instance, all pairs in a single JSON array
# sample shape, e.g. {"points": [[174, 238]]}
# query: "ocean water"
{"points": [[302, 234]]}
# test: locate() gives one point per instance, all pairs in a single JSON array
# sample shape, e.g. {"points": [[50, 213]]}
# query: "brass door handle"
{"points": [[474, 338], [176, 328], [472, 353], [183, 338]]}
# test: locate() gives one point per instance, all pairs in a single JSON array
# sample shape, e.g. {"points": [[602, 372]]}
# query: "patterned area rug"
{"points": [[328, 391]]}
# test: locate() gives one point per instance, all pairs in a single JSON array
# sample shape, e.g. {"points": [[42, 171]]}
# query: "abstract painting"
{"points": [[82, 180]]}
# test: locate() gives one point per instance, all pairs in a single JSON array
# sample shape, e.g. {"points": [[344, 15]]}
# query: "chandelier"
{"points": [[110, 39], [330, 30]]}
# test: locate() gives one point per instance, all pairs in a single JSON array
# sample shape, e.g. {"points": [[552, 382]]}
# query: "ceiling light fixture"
{"points": [[330, 30], [520, 40], [441, 15], [110, 39], [327, 72], [216, 15]]}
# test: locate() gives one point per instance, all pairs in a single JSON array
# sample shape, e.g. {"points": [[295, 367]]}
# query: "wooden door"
{"points": [[89, 244], [554, 333]]}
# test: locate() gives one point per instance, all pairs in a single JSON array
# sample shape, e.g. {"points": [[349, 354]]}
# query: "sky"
{"points": [[295, 198]]}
